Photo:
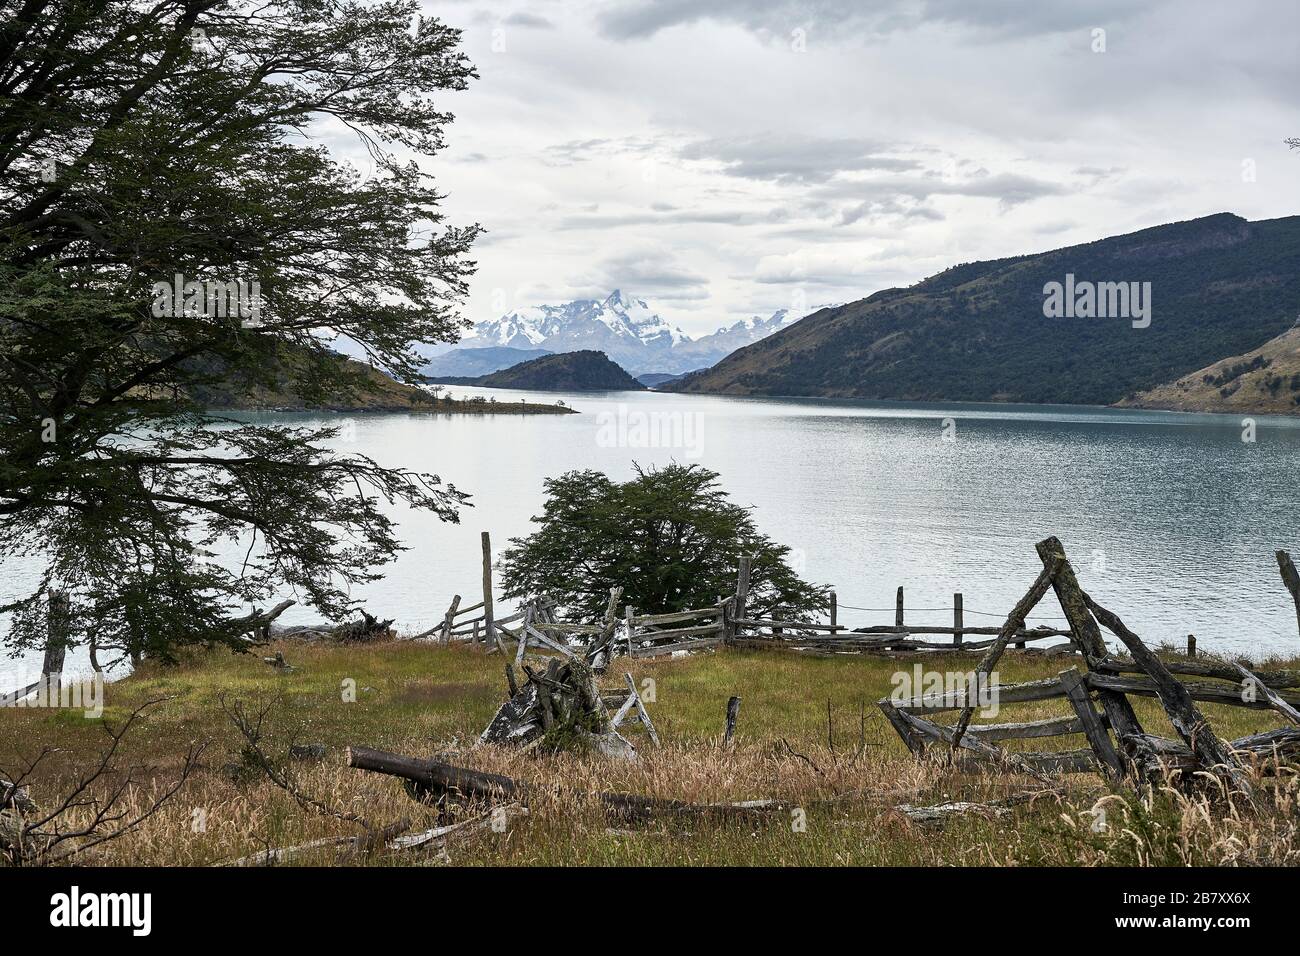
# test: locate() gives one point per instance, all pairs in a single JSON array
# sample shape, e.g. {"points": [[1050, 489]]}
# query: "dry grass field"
{"points": [[837, 781]]}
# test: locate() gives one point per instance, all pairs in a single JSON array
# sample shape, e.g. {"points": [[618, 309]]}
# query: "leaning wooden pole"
{"points": [[1087, 638], [490, 630], [1211, 752], [449, 621], [1015, 621], [1291, 579]]}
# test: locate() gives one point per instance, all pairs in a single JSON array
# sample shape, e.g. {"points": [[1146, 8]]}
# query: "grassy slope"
{"points": [[1220, 287], [420, 699], [1265, 380]]}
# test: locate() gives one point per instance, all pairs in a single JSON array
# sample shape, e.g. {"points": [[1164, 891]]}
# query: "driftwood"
{"points": [[14, 797], [369, 628], [941, 813], [438, 778]]}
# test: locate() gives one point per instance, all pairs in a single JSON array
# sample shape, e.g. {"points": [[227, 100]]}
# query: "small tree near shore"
{"points": [[670, 538]]}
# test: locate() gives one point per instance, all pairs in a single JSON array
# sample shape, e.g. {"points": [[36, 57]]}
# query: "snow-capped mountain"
{"points": [[624, 328]]}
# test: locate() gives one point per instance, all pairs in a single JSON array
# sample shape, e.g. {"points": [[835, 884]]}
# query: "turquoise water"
{"points": [[1171, 519]]}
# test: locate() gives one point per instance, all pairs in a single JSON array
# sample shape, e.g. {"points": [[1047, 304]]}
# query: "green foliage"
{"points": [[141, 142], [669, 537]]}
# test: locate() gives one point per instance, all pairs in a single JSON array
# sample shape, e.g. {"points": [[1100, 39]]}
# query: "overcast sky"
{"points": [[732, 158]]}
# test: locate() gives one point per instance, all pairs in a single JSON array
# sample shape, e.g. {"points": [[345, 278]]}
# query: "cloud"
{"points": [[651, 272], [876, 209], [852, 266], [522, 19], [639, 19], [1009, 189], [790, 158], [683, 144]]}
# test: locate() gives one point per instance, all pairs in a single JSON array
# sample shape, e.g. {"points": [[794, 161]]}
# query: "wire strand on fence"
{"points": [[949, 607]]}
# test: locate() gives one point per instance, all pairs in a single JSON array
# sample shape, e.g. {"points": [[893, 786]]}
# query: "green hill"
{"points": [[585, 371], [1219, 286], [360, 388]]}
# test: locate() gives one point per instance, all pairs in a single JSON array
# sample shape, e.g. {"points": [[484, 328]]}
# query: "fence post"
{"points": [[490, 631], [835, 606], [958, 619], [733, 710], [628, 613], [1191, 645], [448, 619], [898, 609], [742, 591], [58, 621]]}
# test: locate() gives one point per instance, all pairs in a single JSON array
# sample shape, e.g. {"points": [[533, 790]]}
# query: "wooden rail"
{"points": [[1117, 744]]}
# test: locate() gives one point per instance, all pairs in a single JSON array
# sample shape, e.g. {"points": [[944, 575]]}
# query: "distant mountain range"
{"points": [[1217, 290], [582, 371], [627, 330]]}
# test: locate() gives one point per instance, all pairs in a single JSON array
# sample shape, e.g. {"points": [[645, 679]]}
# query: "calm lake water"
{"points": [[1170, 519]]}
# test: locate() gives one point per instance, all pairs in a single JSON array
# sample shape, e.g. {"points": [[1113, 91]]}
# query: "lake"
{"points": [[1171, 519]]}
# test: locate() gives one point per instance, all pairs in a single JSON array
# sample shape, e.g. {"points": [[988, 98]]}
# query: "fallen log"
{"points": [[369, 628], [943, 812], [440, 778]]}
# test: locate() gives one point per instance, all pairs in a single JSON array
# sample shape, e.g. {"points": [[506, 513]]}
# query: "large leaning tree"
{"points": [[670, 537], [150, 145]]}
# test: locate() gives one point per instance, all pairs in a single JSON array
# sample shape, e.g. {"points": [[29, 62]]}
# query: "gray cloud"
{"points": [[522, 19], [713, 161], [638, 19], [790, 158], [651, 272]]}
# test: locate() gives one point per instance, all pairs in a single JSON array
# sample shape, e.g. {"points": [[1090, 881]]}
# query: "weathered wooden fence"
{"points": [[1118, 745], [656, 635], [536, 624]]}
